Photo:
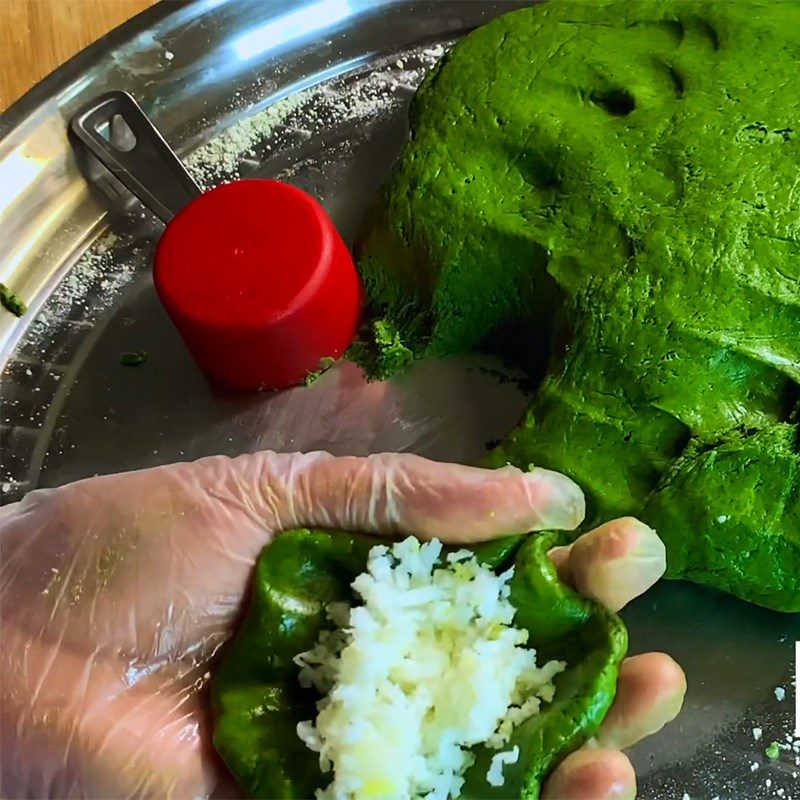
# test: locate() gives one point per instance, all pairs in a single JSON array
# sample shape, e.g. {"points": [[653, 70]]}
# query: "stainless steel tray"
{"points": [[314, 92]]}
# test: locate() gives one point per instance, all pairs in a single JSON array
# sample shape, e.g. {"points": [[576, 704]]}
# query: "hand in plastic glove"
{"points": [[116, 591]]}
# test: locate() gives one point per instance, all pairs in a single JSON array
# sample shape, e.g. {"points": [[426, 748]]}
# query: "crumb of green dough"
{"points": [[772, 752], [134, 358], [383, 353], [12, 302], [325, 363]]}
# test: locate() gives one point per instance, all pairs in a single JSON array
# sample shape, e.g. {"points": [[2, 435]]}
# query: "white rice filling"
{"points": [[428, 667]]}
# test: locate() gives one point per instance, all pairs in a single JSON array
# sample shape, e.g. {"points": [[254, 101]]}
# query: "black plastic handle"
{"points": [[122, 137]]}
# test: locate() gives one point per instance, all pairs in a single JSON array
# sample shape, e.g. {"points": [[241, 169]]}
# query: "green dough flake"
{"points": [[12, 302], [257, 699], [134, 358], [606, 194], [325, 363], [772, 752]]}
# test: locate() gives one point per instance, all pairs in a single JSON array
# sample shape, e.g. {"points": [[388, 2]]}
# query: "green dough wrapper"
{"points": [[257, 699]]}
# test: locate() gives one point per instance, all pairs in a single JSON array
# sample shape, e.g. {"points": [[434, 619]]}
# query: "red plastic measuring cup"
{"points": [[259, 283]]}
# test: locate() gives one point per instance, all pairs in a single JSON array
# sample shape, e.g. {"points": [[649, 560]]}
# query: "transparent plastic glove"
{"points": [[116, 591]]}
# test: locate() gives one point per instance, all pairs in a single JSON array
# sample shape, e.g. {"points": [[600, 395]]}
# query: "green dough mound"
{"points": [[257, 700], [608, 195]]}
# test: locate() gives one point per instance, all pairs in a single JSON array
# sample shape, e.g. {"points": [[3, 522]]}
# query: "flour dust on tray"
{"points": [[429, 666]]}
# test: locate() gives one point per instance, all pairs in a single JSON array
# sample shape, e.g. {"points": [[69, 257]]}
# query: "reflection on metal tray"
{"points": [[315, 93]]}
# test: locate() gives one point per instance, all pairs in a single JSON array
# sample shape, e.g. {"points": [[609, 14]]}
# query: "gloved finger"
{"points": [[650, 692], [592, 774], [614, 563], [408, 494]]}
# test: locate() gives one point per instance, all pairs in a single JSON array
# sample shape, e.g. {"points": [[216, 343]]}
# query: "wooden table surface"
{"points": [[36, 36]]}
